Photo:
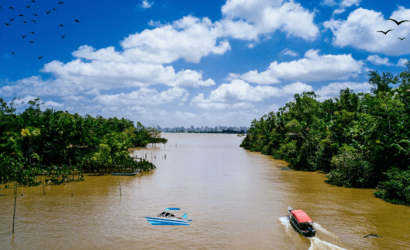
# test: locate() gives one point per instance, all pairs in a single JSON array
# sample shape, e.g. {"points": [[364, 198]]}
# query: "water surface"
{"points": [[237, 200]]}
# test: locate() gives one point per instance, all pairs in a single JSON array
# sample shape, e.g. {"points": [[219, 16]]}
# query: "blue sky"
{"points": [[182, 63]]}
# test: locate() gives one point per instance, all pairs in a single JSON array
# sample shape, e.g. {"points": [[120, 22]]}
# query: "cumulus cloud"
{"points": [[333, 89], [359, 31], [289, 52], [189, 38], [344, 4], [142, 97], [146, 5], [377, 60], [246, 19], [313, 67], [239, 94], [402, 62]]}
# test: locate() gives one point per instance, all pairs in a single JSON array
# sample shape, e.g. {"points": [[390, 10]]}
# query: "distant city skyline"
{"points": [[201, 129]]}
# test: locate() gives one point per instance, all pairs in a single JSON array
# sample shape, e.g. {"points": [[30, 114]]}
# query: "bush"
{"points": [[396, 189], [351, 169]]}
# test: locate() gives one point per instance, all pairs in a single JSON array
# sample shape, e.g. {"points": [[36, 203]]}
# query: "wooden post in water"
{"points": [[15, 202], [120, 189]]}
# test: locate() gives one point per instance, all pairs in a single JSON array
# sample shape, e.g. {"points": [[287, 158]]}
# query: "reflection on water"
{"points": [[237, 200]]}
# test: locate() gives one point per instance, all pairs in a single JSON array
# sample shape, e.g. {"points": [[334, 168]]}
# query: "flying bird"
{"points": [[60, 25], [1, 7], [23, 21], [11, 19], [11, 8], [23, 36], [7, 24], [35, 14], [48, 12], [28, 7], [77, 21], [12, 52], [33, 21], [60, 2], [384, 32], [402, 38], [32, 33], [32, 1], [398, 23], [30, 41], [20, 15], [40, 57], [62, 36], [54, 9]]}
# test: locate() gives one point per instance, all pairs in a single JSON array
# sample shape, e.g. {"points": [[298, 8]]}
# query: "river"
{"points": [[236, 199]]}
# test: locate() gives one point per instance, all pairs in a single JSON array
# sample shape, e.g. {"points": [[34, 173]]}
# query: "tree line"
{"points": [[359, 139], [58, 144]]}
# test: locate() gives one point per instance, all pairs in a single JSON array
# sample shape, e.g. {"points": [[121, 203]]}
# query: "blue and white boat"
{"points": [[168, 219]]}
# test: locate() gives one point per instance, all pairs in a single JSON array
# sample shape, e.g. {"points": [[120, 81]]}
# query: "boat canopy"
{"points": [[301, 216], [172, 208]]}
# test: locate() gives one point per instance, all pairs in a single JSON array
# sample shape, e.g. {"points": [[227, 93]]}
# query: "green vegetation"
{"points": [[359, 140], [59, 144]]}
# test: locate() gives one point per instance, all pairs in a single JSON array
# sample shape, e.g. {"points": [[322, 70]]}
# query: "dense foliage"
{"points": [[359, 139], [57, 143]]}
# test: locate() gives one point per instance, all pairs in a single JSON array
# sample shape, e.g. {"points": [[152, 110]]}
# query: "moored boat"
{"points": [[301, 222], [168, 219]]}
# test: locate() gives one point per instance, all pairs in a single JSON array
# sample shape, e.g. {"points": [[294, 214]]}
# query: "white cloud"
{"points": [[146, 5], [402, 62], [238, 94], [344, 4], [190, 38], [360, 31], [142, 97], [289, 52], [246, 19], [313, 67], [333, 89], [375, 59]]}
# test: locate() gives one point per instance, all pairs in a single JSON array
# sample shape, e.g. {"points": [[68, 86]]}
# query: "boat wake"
{"points": [[315, 242]]}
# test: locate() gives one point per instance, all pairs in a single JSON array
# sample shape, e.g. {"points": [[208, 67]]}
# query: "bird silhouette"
{"points": [[1, 7], [11, 8], [60, 25], [35, 14], [33, 21], [32, 33], [28, 7], [62, 36], [76, 21], [23, 21], [32, 1], [384, 32], [40, 57], [23, 36], [30, 41], [60, 2], [402, 38], [398, 23], [54, 9], [11, 19], [20, 15], [48, 12], [12, 52], [7, 24]]}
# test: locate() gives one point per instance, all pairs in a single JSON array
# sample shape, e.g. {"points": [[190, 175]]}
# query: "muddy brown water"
{"points": [[236, 200]]}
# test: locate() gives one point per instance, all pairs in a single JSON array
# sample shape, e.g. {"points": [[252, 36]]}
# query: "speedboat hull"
{"points": [[159, 221]]}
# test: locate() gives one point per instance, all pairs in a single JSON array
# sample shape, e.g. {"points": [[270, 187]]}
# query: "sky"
{"points": [[201, 63]]}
